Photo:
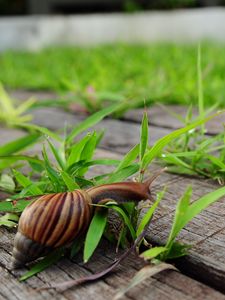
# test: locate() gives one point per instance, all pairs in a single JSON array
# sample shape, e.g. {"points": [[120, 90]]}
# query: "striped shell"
{"points": [[50, 222]]}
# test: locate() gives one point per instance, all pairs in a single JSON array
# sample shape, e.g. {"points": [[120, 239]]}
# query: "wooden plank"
{"points": [[23, 95], [157, 288], [119, 136], [157, 291], [161, 117], [205, 260], [206, 233], [167, 285]]}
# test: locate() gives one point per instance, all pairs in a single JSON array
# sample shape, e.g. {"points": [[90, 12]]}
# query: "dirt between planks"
{"points": [[202, 271]]}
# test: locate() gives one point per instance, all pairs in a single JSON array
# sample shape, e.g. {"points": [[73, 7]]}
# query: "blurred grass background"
{"points": [[162, 72]]}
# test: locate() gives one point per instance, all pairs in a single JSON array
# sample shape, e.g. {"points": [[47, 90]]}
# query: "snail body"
{"points": [[55, 220]]}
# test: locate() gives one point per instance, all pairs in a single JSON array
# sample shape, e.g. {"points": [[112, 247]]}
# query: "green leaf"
{"points": [[125, 218], [173, 159], [9, 220], [8, 206], [202, 203], [25, 182], [144, 135], [49, 260], [25, 105], [51, 172], [153, 252], [7, 183], [57, 155], [88, 152], [147, 217], [92, 120], [7, 161], [143, 274], [216, 161], [181, 209], [177, 250], [186, 212], [18, 144], [42, 130], [104, 161], [76, 246], [200, 88], [128, 158], [5, 100], [89, 148], [76, 150], [123, 174], [161, 143], [95, 232], [70, 183]]}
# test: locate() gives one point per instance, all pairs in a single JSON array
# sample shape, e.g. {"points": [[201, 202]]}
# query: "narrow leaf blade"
{"points": [[95, 232]]}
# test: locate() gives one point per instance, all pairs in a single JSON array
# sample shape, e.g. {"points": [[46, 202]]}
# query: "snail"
{"points": [[55, 220]]}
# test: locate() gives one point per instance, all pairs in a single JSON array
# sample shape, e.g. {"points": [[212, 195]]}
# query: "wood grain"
{"points": [[164, 116], [167, 285], [205, 261]]}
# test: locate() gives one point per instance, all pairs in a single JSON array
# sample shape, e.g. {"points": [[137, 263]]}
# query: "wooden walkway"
{"points": [[202, 271]]}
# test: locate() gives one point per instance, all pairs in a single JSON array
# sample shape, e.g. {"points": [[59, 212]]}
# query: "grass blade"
{"points": [[6, 161], [128, 158], [126, 219], [26, 183], [200, 88], [51, 172], [143, 274], [153, 252], [144, 135], [76, 150], [123, 174], [92, 120], [181, 209], [95, 232], [18, 144], [57, 155], [70, 183], [9, 220], [202, 203], [147, 217], [43, 130], [7, 183], [9, 206], [161, 143], [43, 264]]}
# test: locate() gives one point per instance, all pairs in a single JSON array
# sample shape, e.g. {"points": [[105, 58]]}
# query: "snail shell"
{"points": [[50, 222]]}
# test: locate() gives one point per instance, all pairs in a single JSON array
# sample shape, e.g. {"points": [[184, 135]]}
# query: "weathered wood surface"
{"points": [[159, 115], [118, 137], [205, 261], [167, 285], [164, 116]]}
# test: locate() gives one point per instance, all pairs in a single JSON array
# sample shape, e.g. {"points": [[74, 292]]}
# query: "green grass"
{"points": [[158, 71]]}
